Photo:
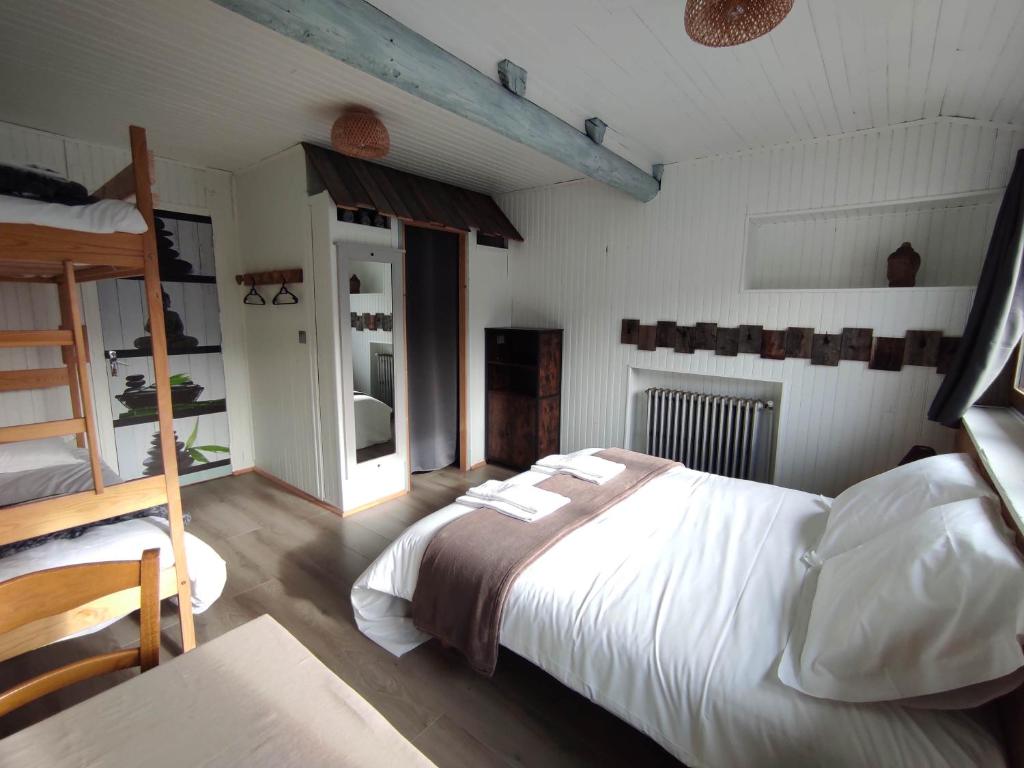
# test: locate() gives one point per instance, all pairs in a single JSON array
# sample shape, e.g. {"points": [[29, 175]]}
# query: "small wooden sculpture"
{"points": [[902, 267]]}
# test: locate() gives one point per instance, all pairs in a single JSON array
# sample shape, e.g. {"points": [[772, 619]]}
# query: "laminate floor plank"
{"points": [[296, 561]]}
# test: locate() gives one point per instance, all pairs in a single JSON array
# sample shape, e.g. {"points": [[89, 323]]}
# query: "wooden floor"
{"points": [[297, 562]]}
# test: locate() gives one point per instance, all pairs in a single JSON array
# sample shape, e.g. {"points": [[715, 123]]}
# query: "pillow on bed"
{"points": [[934, 605], [873, 506], [36, 454]]}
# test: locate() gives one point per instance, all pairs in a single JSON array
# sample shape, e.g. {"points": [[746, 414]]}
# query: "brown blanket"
{"points": [[472, 562]]}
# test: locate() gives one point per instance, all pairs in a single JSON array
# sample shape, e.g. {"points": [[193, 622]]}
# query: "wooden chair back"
{"points": [[45, 606]]}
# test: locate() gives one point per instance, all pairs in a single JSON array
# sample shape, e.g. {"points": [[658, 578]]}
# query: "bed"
{"points": [[638, 613], [373, 421], [52, 468], [53, 232]]}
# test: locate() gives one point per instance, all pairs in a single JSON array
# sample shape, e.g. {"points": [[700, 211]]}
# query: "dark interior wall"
{"points": [[432, 323]]}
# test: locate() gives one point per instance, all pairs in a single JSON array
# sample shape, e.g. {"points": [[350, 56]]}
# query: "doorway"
{"points": [[435, 268]]}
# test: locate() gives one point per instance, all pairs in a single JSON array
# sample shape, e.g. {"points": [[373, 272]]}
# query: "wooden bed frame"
{"points": [[36, 254]]}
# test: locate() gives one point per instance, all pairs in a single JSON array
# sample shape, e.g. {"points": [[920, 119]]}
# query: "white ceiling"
{"points": [[217, 90]]}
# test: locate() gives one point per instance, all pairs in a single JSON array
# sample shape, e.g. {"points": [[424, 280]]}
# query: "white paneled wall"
{"points": [[593, 257], [178, 187], [490, 306], [275, 232], [366, 342], [30, 306], [848, 247]]}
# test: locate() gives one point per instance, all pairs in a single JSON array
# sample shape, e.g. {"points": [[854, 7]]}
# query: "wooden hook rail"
{"points": [[276, 277]]}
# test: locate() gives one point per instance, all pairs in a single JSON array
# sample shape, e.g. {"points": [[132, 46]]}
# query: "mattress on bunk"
{"points": [[36, 469], [103, 217], [127, 540], [58, 480]]}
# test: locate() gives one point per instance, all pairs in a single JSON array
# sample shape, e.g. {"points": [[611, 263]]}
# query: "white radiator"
{"points": [[384, 377], [723, 435]]}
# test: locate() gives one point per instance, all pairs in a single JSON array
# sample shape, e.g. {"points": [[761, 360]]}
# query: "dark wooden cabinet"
{"points": [[524, 394]]}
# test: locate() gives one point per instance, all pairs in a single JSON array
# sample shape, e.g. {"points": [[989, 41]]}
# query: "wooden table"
{"points": [[253, 697]]}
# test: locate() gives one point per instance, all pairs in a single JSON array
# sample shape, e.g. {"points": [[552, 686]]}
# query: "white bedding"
{"points": [[102, 217], [671, 610], [373, 421], [127, 540]]}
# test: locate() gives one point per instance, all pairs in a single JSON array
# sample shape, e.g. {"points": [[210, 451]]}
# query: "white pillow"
{"points": [[936, 604], [35, 454], [873, 506]]}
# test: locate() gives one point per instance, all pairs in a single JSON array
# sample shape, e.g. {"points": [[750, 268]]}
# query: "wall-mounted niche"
{"points": [[847, 246]]}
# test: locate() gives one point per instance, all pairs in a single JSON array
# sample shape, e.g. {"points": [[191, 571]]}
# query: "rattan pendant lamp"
{"points": [[360, 133], [721, 23]]}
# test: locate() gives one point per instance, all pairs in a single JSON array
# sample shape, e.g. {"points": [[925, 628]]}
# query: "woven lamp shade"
{"points": [[721, 23], [360, 133]]}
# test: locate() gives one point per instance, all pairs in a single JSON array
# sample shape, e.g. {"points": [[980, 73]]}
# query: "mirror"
{"points": [[373, 368]]}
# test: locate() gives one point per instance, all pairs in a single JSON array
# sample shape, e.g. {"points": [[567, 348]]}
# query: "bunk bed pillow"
{"points": [[933, 606], [37, 454], [104, 217], [874, 506]]}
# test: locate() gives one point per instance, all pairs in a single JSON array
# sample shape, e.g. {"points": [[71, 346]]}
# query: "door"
{"points": [[433, 311], [192, 320]]}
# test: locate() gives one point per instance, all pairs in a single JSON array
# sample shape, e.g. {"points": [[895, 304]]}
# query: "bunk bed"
{"points": [[67, 248]]}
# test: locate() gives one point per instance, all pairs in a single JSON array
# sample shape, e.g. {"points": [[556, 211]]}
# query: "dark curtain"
{"points": [[432, 330], [997, 316]]}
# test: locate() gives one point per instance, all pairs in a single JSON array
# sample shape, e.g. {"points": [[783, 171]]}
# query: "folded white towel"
{"points": [[530, 500], [504, 508], [584, 466]]}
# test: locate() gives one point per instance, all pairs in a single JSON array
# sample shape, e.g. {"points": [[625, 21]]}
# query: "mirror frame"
{"points": [[354, 473]]}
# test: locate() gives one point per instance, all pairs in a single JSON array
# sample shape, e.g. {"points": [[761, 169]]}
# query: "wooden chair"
{"points": [[42, 607]]}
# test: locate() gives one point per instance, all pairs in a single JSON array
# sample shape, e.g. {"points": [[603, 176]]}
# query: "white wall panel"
{"points": [[275, 233], [592, 258], [490, 306]]}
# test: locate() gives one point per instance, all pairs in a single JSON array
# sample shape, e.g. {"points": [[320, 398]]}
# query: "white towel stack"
{"points": [[523, 502], [580, 464]]}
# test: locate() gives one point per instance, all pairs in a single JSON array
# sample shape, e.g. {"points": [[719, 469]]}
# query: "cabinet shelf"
{"points": [[524, 383], [180, 411], [207, 350]]}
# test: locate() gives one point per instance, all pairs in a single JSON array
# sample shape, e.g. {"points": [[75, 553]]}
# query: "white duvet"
{"points": [[102, 217], [127, 540], [671, 610]]}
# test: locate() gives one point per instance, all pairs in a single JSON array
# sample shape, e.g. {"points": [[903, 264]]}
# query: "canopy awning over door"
{"points": [[356, 184]]}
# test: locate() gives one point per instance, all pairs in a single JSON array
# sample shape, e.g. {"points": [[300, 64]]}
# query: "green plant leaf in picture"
{"points": [[197, 456], [180, 379], [198, 452]]}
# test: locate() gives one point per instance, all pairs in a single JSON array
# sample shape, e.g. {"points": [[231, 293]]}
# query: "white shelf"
{"points": [[846, 247], [998, 434], [858, 210]]}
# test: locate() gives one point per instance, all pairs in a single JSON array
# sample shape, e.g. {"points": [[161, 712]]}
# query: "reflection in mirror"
{"points": [[371, 320]]}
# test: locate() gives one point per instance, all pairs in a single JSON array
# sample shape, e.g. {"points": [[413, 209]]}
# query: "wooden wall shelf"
{"points": [[274, 277]]}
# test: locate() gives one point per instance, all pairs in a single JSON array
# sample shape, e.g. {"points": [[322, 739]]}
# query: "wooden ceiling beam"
{"points": [[358, 34]]}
